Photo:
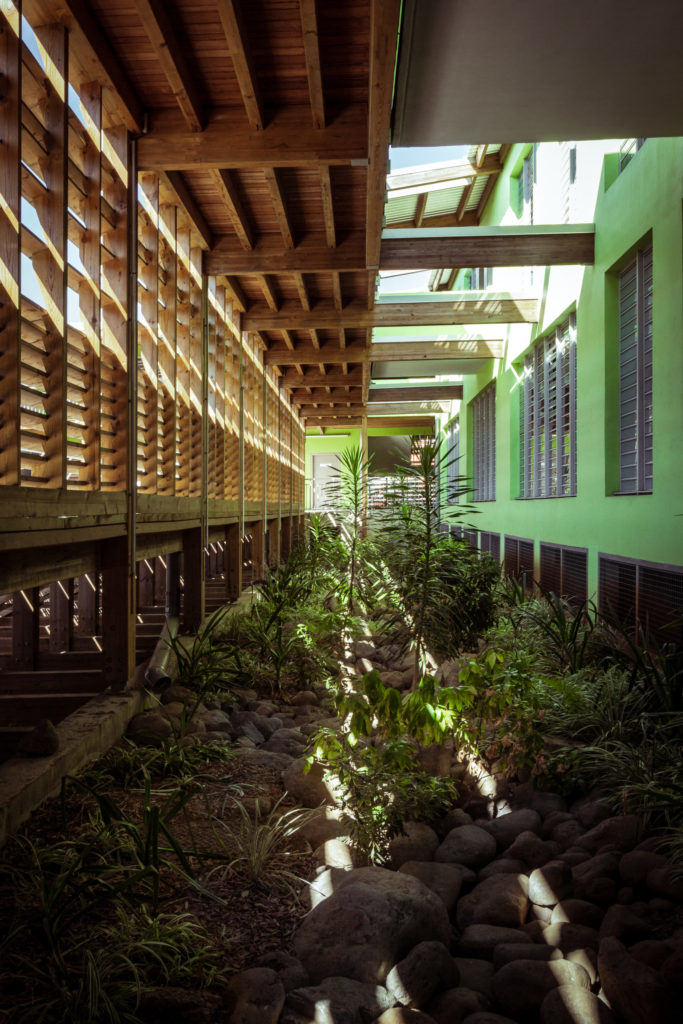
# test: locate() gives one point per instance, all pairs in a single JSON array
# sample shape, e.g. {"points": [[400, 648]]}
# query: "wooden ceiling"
{"points": [[269, 119]]}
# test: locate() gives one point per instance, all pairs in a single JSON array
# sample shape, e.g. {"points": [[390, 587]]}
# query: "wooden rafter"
{"points": [[387, 351], [172, 56], [480, 308], [268, 289], [239, 299], [292, 379], [337, 296], [423, 393], [309, 28], [178, 185], [241, 58], [230, 197], [277, 199], [384, 18], [328, 206], [288, 140], [304, 298], [420, 208], [420, 181]]}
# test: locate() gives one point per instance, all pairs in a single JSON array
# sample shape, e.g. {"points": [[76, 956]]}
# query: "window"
{"points": [[547, 416], [490, 542], [518, 559], [481, 278], [564, 571], [647, 595], [527, 180], [635, 375], [484, 444], [453, 461], [628, 150]]}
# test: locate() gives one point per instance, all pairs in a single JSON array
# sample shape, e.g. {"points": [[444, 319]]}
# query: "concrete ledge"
{"points": [[85, 734]]}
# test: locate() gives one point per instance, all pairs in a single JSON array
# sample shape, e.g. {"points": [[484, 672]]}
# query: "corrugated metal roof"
{"points": [[477, 191], [400, 209], [444, 201]]}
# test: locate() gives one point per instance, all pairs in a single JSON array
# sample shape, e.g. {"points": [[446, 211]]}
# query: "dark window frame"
{"points": [[635, 330]]}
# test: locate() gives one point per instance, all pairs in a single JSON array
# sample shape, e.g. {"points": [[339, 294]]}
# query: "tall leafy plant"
{"points": [[347, 495], [417, 552]]}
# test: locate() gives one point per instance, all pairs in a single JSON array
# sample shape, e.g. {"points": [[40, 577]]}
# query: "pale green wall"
{"points": [[643, 202]]}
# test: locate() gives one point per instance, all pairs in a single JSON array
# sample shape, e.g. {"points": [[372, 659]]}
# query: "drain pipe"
{"points": [[158, 672]]}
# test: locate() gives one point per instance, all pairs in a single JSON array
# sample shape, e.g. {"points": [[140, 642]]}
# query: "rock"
{"points": [[434, 759], [488, 1018], [262, 707], [636, 992], [507, 952], [568, 1004], [443, 879], [257, 996], [248, 730], [475, 974], [506, 828], [418, 842], [364, 649], [480, 940], [403, 1015], [591, 812], [577, 912], [303, 698], [338, 1000], [601, 890], [149, 729], [330, 823], [663, 882], [501, 866], [554, 819], [363, 666], [570, 936], [426, 969], [271, 725], [308, 788], [672, 971], [241, 741], [290, 970], [176, 1005], [541, 802], [551, 883], [453, 819], [500, 900], [652, 952], [540, 913], [599, 866], [567, 833], [335, 854], [458, 1004], [530, 849], [217, 721], [635, 866], [622, 832], [286, 741], [266, 758], [41, 741], [469, 845], [573, 856], [397, 680], [369, 923], [621, 923], [521, 986]]}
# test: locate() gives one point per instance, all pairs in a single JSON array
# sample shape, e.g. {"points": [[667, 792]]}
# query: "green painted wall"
{"points": [[644, 202]]}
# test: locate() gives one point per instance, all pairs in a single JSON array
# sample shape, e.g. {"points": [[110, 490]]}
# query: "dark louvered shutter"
{"points": [[635, 375], [551, 568], [617, 590]]}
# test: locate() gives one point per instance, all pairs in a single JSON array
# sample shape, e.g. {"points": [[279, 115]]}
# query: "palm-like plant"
{"points": [[347, 495]]}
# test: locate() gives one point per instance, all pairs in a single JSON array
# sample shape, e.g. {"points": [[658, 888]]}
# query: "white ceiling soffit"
{"points": [[535, 70]]}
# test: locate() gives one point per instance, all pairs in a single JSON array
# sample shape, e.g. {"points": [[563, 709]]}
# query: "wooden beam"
{"points": [[438, 220], [96, 56], [268, 290], [328, 206], [241, 58], [303, 291], [310, 355], [178, 185], [426, 393], [475, 308], [429, 180], [420, 209], [337, 296], [230, 197], [384, 18], [277, 199], [239, 299], [326, 396], [172, 56], [472, 348], [353, 420], [289, 140], [309, 28], [312, 255], [290, 379], [402, 421], [488, 247]]}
